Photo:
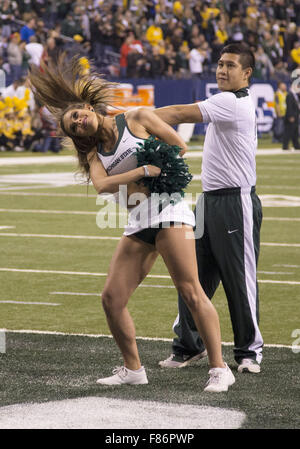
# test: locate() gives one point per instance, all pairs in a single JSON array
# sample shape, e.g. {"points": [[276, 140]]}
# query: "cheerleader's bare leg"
{"points": [[131, 262]]}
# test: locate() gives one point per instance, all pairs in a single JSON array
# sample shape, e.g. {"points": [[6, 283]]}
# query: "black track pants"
{"points": [[228, 252]]}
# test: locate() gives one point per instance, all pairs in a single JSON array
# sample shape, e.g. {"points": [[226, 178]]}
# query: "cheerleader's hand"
{"points": [[183, 151], [151, 171]]}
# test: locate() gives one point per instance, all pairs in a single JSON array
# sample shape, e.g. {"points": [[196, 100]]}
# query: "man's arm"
{"points": [[180, 113]]}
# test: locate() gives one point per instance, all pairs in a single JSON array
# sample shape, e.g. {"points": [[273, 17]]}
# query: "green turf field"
{"points": [[53, 263]]}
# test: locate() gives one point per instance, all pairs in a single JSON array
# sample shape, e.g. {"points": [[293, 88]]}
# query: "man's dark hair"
{"points": [[247, 57]]}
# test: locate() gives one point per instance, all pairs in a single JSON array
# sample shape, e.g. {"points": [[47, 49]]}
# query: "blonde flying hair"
{"points": [[64, 85]]}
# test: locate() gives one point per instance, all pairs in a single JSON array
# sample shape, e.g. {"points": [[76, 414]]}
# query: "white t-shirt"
{"points": [[230, 142], [195, 61], [35, 51]]}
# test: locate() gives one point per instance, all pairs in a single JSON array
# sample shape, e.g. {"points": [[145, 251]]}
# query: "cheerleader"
{"points": [[106, 147]]}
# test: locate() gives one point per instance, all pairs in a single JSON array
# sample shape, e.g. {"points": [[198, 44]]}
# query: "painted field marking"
{"points": [[39, 332], [99, 294], [280, 219], [59, 236], [154, 276], [108, 413], [50, 194], [67, 212], [97, 237], [37, 160], [191, 153], [85, 212], [291, 245], [30, 303], [79, 273], [286, 265]]}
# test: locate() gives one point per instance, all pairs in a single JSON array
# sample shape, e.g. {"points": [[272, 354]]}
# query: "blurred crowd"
{"points": [[158, 39]]}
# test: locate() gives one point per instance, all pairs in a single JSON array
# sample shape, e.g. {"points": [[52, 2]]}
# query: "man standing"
{"points": [[280, 109], [228, 249], [291, 120]]}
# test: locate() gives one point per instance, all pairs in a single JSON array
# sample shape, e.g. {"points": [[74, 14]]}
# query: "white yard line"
{"points": [[59, 236], [77, 273], [99, 294], [97, 237], [30, 331], [286, 265], [59, 212], [280, 219], [37, 160], [58, 195], [79, 212], [30, 303], [86, 273], [291, 245], [192, 153]]}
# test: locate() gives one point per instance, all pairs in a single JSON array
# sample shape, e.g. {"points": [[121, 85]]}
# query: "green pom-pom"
{"points": [[175, 175]]}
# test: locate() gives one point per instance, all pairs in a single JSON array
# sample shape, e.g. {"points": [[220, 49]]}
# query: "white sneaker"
{"points": [[123, 375], [248, 366], [220, 379], [180, 361]]}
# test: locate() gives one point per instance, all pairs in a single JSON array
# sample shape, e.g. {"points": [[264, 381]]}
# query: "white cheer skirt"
{"points": [[151, 212]]}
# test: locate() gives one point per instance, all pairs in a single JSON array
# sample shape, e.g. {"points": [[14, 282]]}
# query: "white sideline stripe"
{"points": [[66, 195], [99, 294], [68, 212], [275, 272], [280, 219], [61, 236], [96, 237], [30, 302], [80, 273], [155, 276], [37, 160], [45, 211], [269, 281], [31, 331], [286, 265], [192, 152], [83, 212], [293, 245]]}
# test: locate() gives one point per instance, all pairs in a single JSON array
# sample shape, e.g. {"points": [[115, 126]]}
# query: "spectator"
{"points": [[221, 32], [71, 26], [170, 62], [196, 59], [15, 57], [280, 110], [6, 15], [182, 61], [12, 90], [271, 47], [158, 64], [40, 32], [28, 30], [154, 33], [193, 38], [291, 120], [50, 141], [263, 65], [280, 73], [295, 56], [135, 63], [35, 51], [177, 38]]}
